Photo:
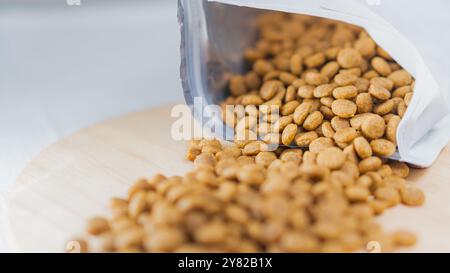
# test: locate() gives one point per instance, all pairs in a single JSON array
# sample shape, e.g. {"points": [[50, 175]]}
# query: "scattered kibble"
{"points": [[340, 98]]}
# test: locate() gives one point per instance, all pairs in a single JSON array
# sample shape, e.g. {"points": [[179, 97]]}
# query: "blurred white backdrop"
{"points": [[65, 67]]}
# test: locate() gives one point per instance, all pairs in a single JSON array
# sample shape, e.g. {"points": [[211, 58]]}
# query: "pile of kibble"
{"points": [[340, 99]]}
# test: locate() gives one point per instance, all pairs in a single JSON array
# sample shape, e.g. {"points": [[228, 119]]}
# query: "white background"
{"points": [[64, 67]]}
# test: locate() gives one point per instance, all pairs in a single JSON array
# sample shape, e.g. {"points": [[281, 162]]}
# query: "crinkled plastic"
{"points": [[215, 34]]}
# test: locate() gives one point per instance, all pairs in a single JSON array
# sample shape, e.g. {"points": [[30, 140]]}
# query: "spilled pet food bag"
{"points": [[215, 35]]}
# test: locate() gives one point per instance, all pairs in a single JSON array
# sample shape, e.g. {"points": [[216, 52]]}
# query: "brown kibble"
{"points": [[323, 90], [315, 60], [400, 78], [381, 66], [404, 238], [357, 193], [287, 78], [382, 147], [332, 158], [270, 88], [383, 82], [205, 160], [384, 108], [315, 78], [399, 169], [349, 57], [379, 92], [345, 135], [362, 147], [330, 69], [130, 238], [391, 128], [97, 225], [339, 123], [164, 239], [344, 108], [345, 92], [345, 79], [306, 91], [265, 158], [289, 108], [252, 148], [301, 113], [281, 124], [262, 67], [211, 233], [250, 174], [373, 127], [369, 164], [327, 129], [412, 196], [252, 80], [401, 108], [313, 121], [408, 98], [251, 99], [237, 85], [402, 91], [291, 94], [305, 139], [366, 46], [296, 64], [138, 203], [292, 155], [389, 195], [140, 185], [319, 144], [383, 53], [378, 206], [394, 182], [289, 134]]}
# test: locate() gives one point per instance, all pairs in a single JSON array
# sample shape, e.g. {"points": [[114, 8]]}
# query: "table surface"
{"points": [[73, 180]]}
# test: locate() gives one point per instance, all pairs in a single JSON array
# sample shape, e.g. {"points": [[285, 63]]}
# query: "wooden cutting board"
{"points": [[73, 180]]}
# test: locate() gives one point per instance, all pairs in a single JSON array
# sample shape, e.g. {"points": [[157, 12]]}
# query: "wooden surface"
{"points": [[73, 180]]}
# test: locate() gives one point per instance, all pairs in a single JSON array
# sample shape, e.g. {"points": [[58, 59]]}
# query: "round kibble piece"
{"points": [[373, 127], [389, 195], [400, 78], [391, 128], [369, 164], [382, 147], [345, 135], [379, 92], [343, 108], [289, 134], [349, 57], [332, 158], [381, 66], [399, 169], [345, 92], [362, 147], [97, 225], [412, 196], [313, 121], [357, 193], [319, 144]]}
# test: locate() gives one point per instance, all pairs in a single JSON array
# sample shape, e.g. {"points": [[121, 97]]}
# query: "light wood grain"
{"points": [[73, 180]]}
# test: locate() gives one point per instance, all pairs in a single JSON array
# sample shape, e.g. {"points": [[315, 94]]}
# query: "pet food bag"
{"points": [[216, 33]]}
